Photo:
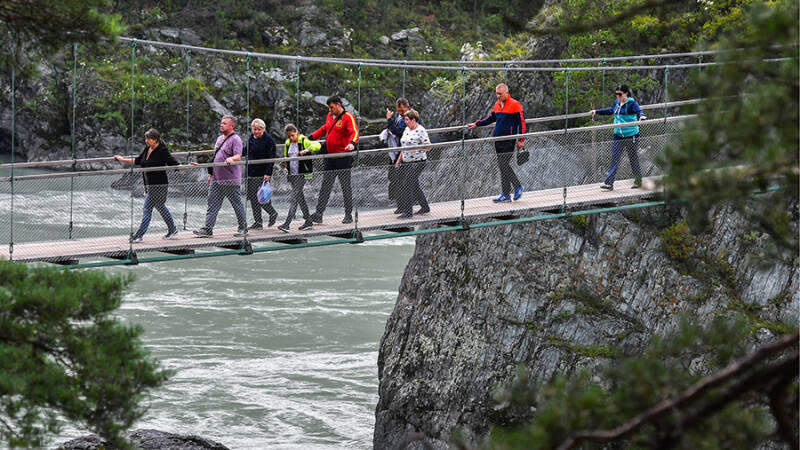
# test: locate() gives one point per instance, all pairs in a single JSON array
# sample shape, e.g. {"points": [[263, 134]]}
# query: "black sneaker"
{"points": [[306, 226], [607, 187], [422, 211], [255, 226], [398, 211], [405, 216], [203, 232], [284, 227], [272, 219], [347, 219], [316, 218], [171, 234]]}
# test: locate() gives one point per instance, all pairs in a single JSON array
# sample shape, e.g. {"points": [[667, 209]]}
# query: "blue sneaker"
{"points": [[518, 193], [502, 198]]}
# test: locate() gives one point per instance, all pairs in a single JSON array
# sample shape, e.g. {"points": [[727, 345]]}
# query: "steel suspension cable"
{"points": [[133, 104], [566, 137], [404, 80], [437, 65], [463, 137], [72, 131], [13, 137], [184, 178], [297, 96], [666, 93], [245, 244], [357, 162]]}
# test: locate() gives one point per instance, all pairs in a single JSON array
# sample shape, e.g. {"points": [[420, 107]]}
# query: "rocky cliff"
{"points": [[556, 295]]}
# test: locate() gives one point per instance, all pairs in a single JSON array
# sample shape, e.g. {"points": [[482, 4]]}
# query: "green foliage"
{"points": [[63, 355], [30, 26], [741, 143], [678, 241], [581, 222], [568, 404]]}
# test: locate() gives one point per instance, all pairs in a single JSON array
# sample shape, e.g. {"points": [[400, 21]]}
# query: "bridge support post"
{"points": [[133, 260]]}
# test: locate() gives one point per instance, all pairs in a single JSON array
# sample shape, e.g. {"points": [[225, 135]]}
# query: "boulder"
{"points": [[147, 440]]}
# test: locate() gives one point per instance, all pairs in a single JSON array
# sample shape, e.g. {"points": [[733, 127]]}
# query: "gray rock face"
{"points": [[553, 295], [147, 440]]}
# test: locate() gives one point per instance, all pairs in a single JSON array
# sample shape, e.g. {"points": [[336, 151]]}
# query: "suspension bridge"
{"points": [[84, 218]]}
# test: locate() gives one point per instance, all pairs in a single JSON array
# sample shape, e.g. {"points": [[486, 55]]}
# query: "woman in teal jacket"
{"points": [[298, 172], [626, 139]]}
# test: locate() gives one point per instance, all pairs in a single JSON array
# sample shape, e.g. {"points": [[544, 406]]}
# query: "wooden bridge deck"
{"points": [[475, 209]]}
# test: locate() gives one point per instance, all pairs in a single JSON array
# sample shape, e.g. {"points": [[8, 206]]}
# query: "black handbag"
{"points": [[522, 157]]}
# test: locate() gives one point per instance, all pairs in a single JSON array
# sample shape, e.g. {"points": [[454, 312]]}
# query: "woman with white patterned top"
{"points": [[411, 164]]}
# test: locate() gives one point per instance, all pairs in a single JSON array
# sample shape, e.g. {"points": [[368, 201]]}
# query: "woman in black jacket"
{"points": [[259, 146], [155, 154]]}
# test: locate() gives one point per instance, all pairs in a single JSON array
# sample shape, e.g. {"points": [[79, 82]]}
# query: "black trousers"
{"points": [[336, 168], [298, 198], [412, 192], [253, 184], [395, 183], [505, 155]]}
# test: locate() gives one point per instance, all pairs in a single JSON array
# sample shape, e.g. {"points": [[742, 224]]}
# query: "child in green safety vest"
{"points": [[298, 172]]}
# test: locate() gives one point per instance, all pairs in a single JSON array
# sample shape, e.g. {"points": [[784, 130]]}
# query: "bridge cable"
{"points": [[297, 96], [666, 93], [74, 107], [566, 136], [184, 177], [245, 132], [463, 135], [133, 104], [13, 114], [403, 92], [666, 113], [356, 233]]}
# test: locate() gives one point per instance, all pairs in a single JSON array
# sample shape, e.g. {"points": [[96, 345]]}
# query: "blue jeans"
{"points": [[630, 145], [156, 198], [218, 192]]}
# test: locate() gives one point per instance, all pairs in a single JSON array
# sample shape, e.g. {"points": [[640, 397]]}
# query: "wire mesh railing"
{"points": [[565, 169]]}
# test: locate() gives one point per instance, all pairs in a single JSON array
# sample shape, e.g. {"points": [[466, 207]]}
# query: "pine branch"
{"points": [[690, 395]]}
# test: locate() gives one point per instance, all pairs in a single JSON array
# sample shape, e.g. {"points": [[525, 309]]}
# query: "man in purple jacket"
{"points": [[224, 180]]}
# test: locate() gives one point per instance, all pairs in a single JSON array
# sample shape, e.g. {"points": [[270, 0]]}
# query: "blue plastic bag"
{"points": [[264, 193]]}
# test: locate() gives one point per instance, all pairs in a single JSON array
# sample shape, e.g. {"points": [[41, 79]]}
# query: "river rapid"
{"points": [[274, 350]]}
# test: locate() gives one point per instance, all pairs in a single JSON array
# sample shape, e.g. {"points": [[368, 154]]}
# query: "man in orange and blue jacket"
{"points": [[341, 135], [509, 120]]}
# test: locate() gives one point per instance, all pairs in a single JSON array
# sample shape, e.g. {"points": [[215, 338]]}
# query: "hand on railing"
{"points": [[122, 159]]}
